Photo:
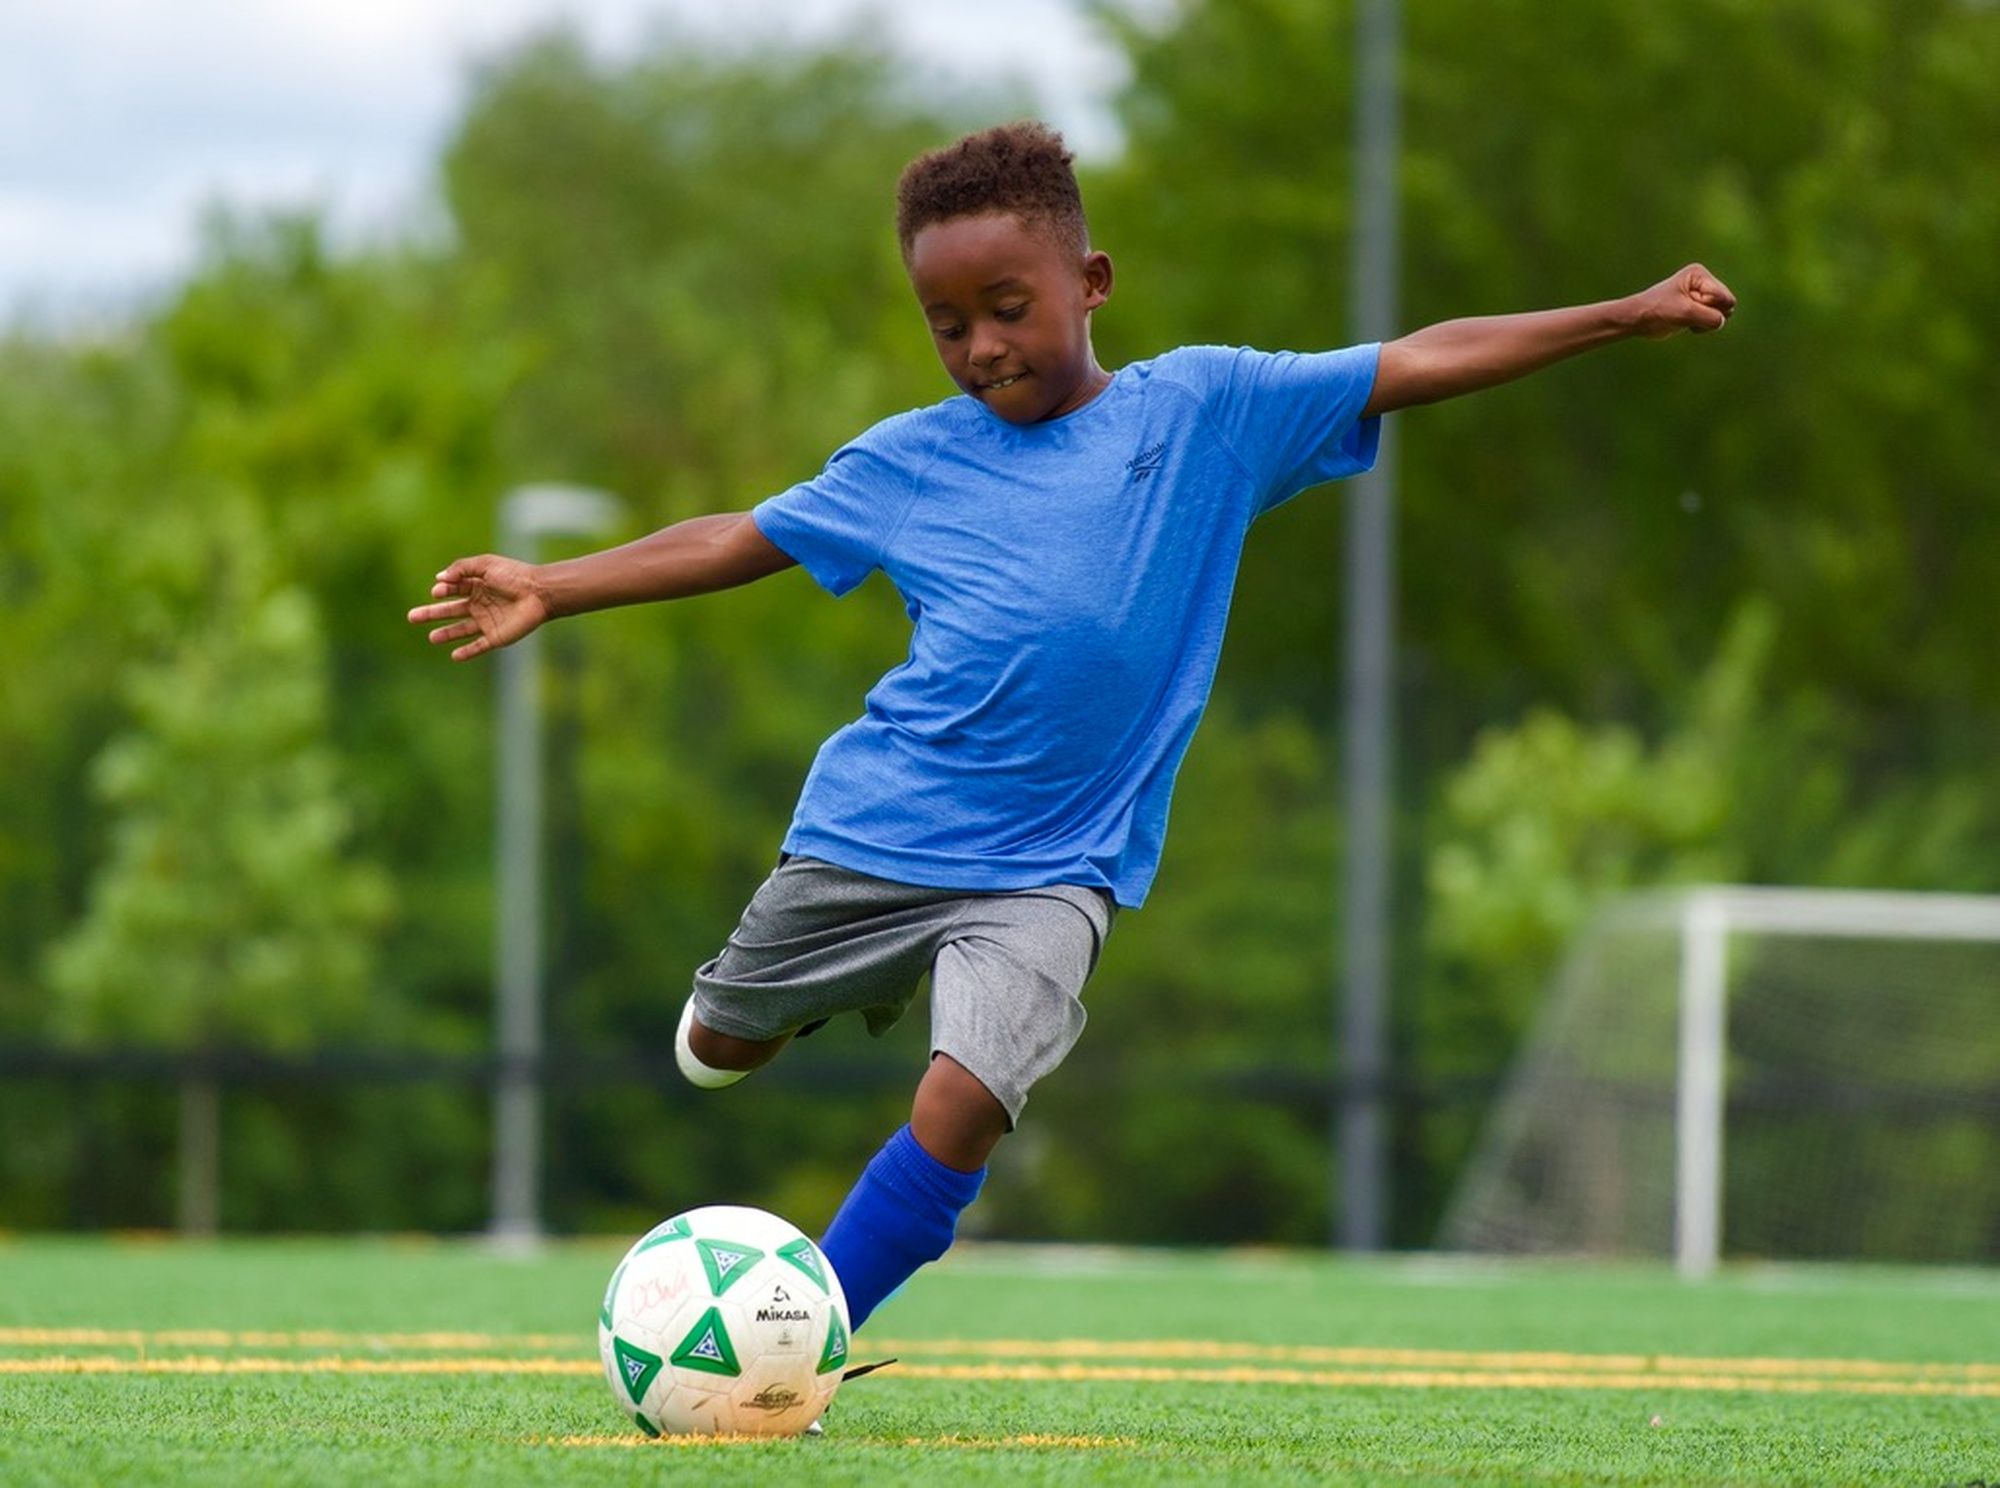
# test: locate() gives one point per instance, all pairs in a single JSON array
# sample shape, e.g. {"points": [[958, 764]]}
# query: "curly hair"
{"points": [[1020, 168]]}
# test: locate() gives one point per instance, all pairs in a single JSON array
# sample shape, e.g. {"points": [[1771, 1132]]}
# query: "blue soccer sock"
{"points": [[901, 1214]]}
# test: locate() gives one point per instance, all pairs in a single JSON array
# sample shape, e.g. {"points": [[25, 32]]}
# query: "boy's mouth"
{"points": [[1004, 382]]}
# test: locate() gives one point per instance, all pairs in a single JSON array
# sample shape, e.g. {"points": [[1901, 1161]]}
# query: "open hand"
{"points": [[489, 601], [1692, 300]]}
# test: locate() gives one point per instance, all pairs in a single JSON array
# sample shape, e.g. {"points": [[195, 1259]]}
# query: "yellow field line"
{"points": [[1852, 1368], [1453, 1379], [1433, 1379], [970, 1443], [317, 1338], [1094, 1348], [326, 1364], [444, 1342]]}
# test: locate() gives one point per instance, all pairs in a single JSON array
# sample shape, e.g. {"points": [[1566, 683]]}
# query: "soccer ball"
{"points": [[723, 1319]]}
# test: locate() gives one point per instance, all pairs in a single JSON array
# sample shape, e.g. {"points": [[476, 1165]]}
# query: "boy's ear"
{"points": [[1097, 278]]}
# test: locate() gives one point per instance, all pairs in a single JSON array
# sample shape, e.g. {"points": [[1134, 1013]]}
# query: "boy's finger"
{"points": [[451, 609], [471, 649], [456, 632], [1714, 292]]}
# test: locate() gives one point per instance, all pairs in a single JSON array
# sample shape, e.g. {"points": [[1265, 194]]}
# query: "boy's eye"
{"points": [[947, 332], [1011, 312]]}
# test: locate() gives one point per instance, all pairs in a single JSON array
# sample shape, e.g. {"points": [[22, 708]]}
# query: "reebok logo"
{"points": [[1146, 461]]}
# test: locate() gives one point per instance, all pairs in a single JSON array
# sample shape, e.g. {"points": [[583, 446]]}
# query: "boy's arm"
{"points": [[1462, 356], [490, 601]]}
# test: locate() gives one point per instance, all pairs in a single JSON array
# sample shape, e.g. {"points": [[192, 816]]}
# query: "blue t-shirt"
{"points": [[1068, 582]]}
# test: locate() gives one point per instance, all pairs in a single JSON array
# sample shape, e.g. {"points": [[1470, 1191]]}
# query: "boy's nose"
{"points": [[989, 349]]}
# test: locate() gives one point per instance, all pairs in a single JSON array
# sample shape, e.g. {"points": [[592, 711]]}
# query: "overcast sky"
{"points": [[119, 119]]}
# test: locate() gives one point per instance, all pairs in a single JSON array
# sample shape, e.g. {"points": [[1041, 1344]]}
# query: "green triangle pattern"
{"points": [[800, 1253], [676, 1228], [835, 1353], [611, 1293], [707, 1347], [636, 1367], [645, 1425], [725, 1262]]}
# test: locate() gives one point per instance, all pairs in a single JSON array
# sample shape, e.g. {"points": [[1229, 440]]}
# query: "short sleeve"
{"points": [[1291, 419], [837, 523]]}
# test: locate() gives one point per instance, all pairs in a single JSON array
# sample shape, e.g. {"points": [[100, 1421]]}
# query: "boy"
{"points": [[1065, 540]]}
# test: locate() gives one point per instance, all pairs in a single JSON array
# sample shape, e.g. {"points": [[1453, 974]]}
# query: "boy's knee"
{"points": [[713, 1060], [956, 1119]]}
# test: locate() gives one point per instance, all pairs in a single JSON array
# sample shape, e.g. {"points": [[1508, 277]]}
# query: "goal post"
{"points": [[1782, 1071]]}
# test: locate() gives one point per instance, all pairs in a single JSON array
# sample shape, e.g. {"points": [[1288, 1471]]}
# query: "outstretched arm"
{"points": [[490, 601], [1462, 356]]}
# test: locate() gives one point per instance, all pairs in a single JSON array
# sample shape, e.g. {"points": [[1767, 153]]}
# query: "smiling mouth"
{"points": [[1005, 382]]}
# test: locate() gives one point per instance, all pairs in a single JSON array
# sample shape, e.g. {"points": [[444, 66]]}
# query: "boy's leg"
{"points": [[814, 941], [707, 1056], [956, 1119], [903, 1212], [1004, 1010]]}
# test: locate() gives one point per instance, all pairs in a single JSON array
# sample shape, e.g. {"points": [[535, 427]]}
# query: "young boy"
{"points": [[1065, 540]]}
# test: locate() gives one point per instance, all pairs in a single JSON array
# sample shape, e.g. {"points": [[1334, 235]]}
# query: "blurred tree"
{"points": [[697, 254], [1818, 452], [1198, 1068], [674, 276], [229, 911], [77, 425], [351, 401], [1548, 818], [1568, 542]]}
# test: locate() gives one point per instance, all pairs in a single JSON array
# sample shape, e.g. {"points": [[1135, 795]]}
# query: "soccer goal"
{"points": [[1774, 1072]]}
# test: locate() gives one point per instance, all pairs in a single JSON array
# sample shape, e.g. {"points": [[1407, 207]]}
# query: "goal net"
{"points": [[1756, 1072]]}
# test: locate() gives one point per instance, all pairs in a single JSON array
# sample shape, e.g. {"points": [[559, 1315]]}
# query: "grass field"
{"points": [[395, 1363]]}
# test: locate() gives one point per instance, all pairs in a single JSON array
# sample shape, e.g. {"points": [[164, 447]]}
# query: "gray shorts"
{"points": [[1007, 969]]}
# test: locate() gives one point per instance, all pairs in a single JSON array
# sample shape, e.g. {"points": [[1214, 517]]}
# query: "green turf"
{"points": [[1495, 1427]]}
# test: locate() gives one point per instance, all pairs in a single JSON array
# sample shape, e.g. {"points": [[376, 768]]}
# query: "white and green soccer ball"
{"points": [[723, 1320]]}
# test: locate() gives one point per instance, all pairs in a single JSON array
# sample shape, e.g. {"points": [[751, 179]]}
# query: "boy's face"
{"points": [[1009, 312]]}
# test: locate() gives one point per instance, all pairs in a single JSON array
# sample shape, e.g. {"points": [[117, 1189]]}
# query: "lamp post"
{"points": [[527, 515], [1361, 1134]]}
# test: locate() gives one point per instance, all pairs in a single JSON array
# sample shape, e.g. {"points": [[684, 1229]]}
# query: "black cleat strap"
{"points": [[860, 1369]]}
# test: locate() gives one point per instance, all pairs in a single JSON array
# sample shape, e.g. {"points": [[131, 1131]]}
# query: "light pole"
{"points": [[1362, 1130], [527, 515]]}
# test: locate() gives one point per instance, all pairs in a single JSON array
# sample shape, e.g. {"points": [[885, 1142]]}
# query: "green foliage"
{"points": [[228, 911], [235, 775], [1228, 968], [1568, 543], [1548, 819], [693, 253]]}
